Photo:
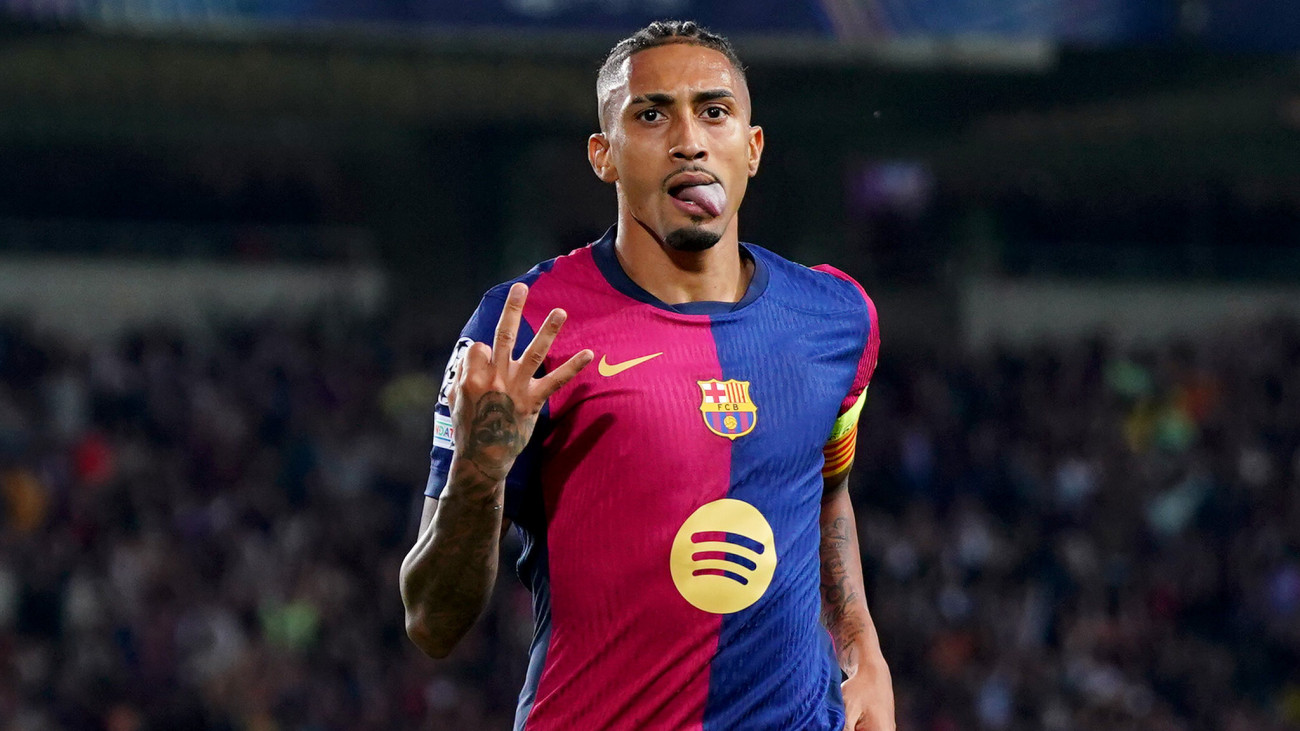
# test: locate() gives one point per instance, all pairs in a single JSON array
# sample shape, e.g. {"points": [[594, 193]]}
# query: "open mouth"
{"points": [[700, 199]]}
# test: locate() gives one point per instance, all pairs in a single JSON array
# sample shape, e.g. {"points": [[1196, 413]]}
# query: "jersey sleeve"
{"points": [[481, 328], [839, 449]]}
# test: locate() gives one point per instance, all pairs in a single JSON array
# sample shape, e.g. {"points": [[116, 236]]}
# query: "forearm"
{"points": [[844, 604], [495, 401], [448, 574]]}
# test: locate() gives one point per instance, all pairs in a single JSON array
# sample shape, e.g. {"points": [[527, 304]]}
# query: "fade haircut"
{"points": [[660, 33]]}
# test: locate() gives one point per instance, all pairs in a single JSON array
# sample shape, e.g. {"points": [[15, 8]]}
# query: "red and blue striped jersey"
{"points": [[669, 499]]}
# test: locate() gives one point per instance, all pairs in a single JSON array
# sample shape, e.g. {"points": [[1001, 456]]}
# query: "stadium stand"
{"points": [[204, 533]]}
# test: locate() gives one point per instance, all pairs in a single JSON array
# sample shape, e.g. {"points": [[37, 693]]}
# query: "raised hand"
{"points": [[495, 400]]}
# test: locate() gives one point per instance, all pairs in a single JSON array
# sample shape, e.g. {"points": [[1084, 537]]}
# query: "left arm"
{"points": [[868, 690]]}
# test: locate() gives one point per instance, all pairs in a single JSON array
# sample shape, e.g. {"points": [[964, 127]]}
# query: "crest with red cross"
{"points": [[727, 408]]}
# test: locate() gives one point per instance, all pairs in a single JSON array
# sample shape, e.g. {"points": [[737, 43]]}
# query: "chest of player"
{"points": [[764, 390]]}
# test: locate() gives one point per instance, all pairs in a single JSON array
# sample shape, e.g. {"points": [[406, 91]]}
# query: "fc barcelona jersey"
{"points": [[669, 498]]}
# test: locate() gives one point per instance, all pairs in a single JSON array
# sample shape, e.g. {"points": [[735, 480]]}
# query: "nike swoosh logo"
{"points": [[613, 369]]}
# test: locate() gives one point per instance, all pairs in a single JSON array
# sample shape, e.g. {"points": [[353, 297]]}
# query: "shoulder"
{"points": [[551, 283], [558, 269], [482, 323], [497, 293], [821, 289]]}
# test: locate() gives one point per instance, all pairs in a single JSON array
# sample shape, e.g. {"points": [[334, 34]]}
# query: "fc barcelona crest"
{"points": [[727, 409]]}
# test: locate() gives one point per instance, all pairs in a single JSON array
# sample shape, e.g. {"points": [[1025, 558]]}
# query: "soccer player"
{"points": [[681, 502]]}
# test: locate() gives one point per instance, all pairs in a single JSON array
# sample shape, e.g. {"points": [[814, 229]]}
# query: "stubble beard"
{"points": [[691, 239]]}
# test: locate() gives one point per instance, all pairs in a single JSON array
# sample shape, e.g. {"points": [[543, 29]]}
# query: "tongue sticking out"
{"points": [[709, 197]]}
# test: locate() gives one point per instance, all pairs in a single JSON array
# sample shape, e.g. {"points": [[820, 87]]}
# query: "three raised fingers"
{"points": [[507, 333]]}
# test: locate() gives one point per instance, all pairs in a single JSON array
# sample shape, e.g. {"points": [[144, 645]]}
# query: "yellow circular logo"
{"points": [[723, 556]]}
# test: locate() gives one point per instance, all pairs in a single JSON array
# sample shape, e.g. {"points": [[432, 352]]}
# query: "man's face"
{"points": [[678, 142]]}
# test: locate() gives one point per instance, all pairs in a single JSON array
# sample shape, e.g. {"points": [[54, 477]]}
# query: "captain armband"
{"points": [[839, 449]]}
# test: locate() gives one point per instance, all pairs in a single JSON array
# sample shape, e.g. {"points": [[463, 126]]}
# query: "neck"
{"points": [[717, 274]]}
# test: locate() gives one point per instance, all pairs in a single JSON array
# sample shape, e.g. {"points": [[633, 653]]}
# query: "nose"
{"points": [[689, 141]]}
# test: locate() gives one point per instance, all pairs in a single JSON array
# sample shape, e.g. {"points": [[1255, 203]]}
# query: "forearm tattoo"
{"points": [[838, 593], [459, 562], [460, 574]]}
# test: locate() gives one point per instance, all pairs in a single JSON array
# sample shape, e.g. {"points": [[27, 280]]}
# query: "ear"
{"points": [[598, 156], [755, 149]]}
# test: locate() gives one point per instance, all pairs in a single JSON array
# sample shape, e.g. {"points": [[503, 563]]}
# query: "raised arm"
{"points": [[868, 690], [447, 577]]}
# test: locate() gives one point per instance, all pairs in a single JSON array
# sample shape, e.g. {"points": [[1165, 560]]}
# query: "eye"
{"points": [[716, 112], [650, 115]]}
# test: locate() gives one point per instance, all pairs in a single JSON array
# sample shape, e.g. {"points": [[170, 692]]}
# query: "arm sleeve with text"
{"points": [[839, 449], [481, 328]]}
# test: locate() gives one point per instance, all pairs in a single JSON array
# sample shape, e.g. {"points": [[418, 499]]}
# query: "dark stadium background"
{"points": [[238, 237]]}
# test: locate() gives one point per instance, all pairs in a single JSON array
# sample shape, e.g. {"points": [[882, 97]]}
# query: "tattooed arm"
{"points": [[447, 576], [868, 691]]}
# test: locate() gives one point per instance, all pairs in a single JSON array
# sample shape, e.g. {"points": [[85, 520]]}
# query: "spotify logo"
{"points": [[723, 556]]}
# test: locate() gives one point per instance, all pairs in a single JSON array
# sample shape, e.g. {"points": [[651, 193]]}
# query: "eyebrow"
{"points": [[658, 97]]}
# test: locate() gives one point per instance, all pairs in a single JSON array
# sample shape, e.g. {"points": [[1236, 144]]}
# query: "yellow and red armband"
{"points": [[839, 449]]}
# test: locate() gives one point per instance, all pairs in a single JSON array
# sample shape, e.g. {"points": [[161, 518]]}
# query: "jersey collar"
{"points": [[603, 253]]}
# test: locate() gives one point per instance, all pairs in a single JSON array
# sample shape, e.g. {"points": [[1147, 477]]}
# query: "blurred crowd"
{"points": [[204, 532], [1083, 536]]}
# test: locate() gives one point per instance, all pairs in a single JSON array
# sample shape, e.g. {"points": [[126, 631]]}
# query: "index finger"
{"points": [[503, 344]]}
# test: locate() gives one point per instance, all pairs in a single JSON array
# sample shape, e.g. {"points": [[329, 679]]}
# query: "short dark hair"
{"points": [[662, 33]]}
